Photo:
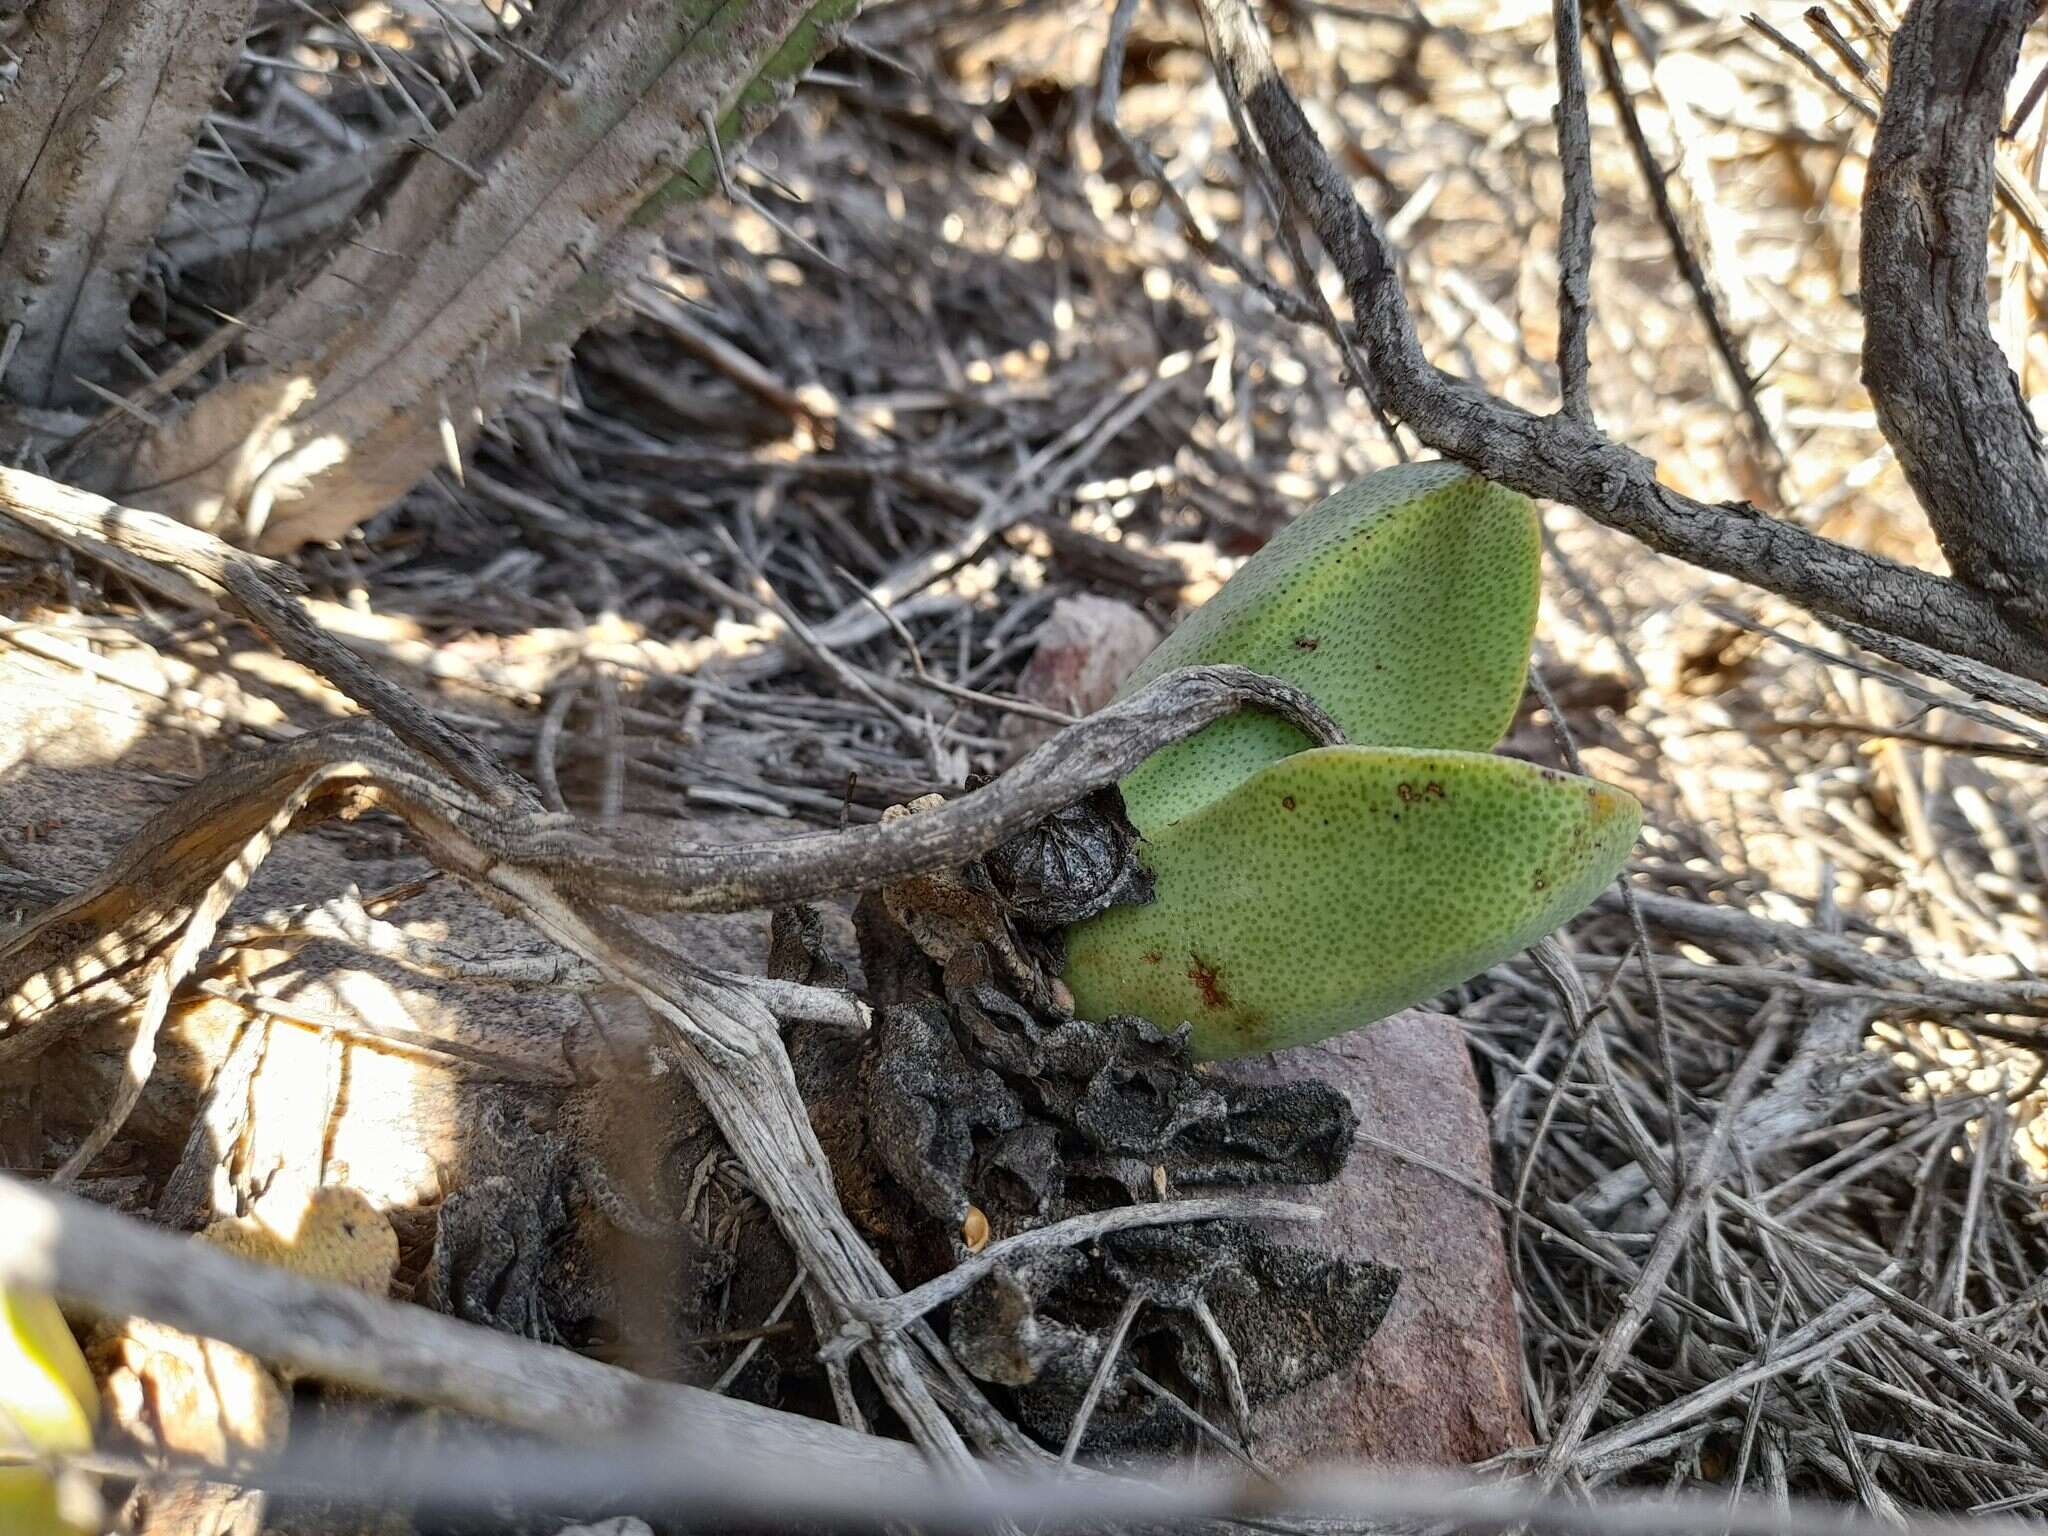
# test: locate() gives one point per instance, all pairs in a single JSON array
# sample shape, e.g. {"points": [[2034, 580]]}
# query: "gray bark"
{"points": [[93, 138], [1945, 397], [1567, 460]]}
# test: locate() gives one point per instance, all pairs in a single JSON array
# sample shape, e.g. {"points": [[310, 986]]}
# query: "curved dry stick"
{"points": [[1946, 398], [1561, 457], [184, 846], [653, 875]]}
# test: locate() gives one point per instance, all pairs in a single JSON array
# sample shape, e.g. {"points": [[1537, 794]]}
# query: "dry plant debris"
{"points": [[978, 1109], [1771, 1144]]}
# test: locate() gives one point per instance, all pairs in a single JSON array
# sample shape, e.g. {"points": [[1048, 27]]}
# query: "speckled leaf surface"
{"points": [[1405, 604], [1341, 884]]}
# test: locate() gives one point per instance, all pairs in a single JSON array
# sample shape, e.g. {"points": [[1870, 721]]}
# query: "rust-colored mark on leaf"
{"points": [[1415, 794], [1287, 802], [1153, 957], [1208, 981]]}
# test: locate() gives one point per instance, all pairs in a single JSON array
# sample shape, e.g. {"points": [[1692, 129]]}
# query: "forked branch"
{"points": [[1565, 459]]}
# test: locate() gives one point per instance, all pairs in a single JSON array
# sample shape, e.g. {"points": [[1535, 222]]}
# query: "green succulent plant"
{"points": [[1302, 892], [48, 1405]]}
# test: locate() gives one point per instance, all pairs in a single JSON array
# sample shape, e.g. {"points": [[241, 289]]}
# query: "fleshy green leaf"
{"points": [[46, 1391], [1341, 884], [1404, 604], [30, 1505], [48, 1400]]}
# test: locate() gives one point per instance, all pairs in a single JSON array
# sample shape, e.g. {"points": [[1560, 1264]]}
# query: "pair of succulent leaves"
{"points": [[1306, 891]]}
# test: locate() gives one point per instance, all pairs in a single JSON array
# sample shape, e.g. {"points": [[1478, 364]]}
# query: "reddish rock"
{"points": [[1086, 648], [1440, 1383]]}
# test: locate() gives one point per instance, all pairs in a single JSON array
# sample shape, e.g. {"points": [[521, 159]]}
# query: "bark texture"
{"points": [[93, 138], [486, 260], [1946, 399]]}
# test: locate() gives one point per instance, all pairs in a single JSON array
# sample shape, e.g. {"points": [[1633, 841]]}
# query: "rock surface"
{"points": [[1086, 648], [1441, 1381]]}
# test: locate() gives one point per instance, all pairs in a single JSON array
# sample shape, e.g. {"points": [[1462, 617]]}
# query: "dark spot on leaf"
{"points": [[1153, 957], [1208, 981], [1306, 642], [1250, 1028], [1287, 802]]}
